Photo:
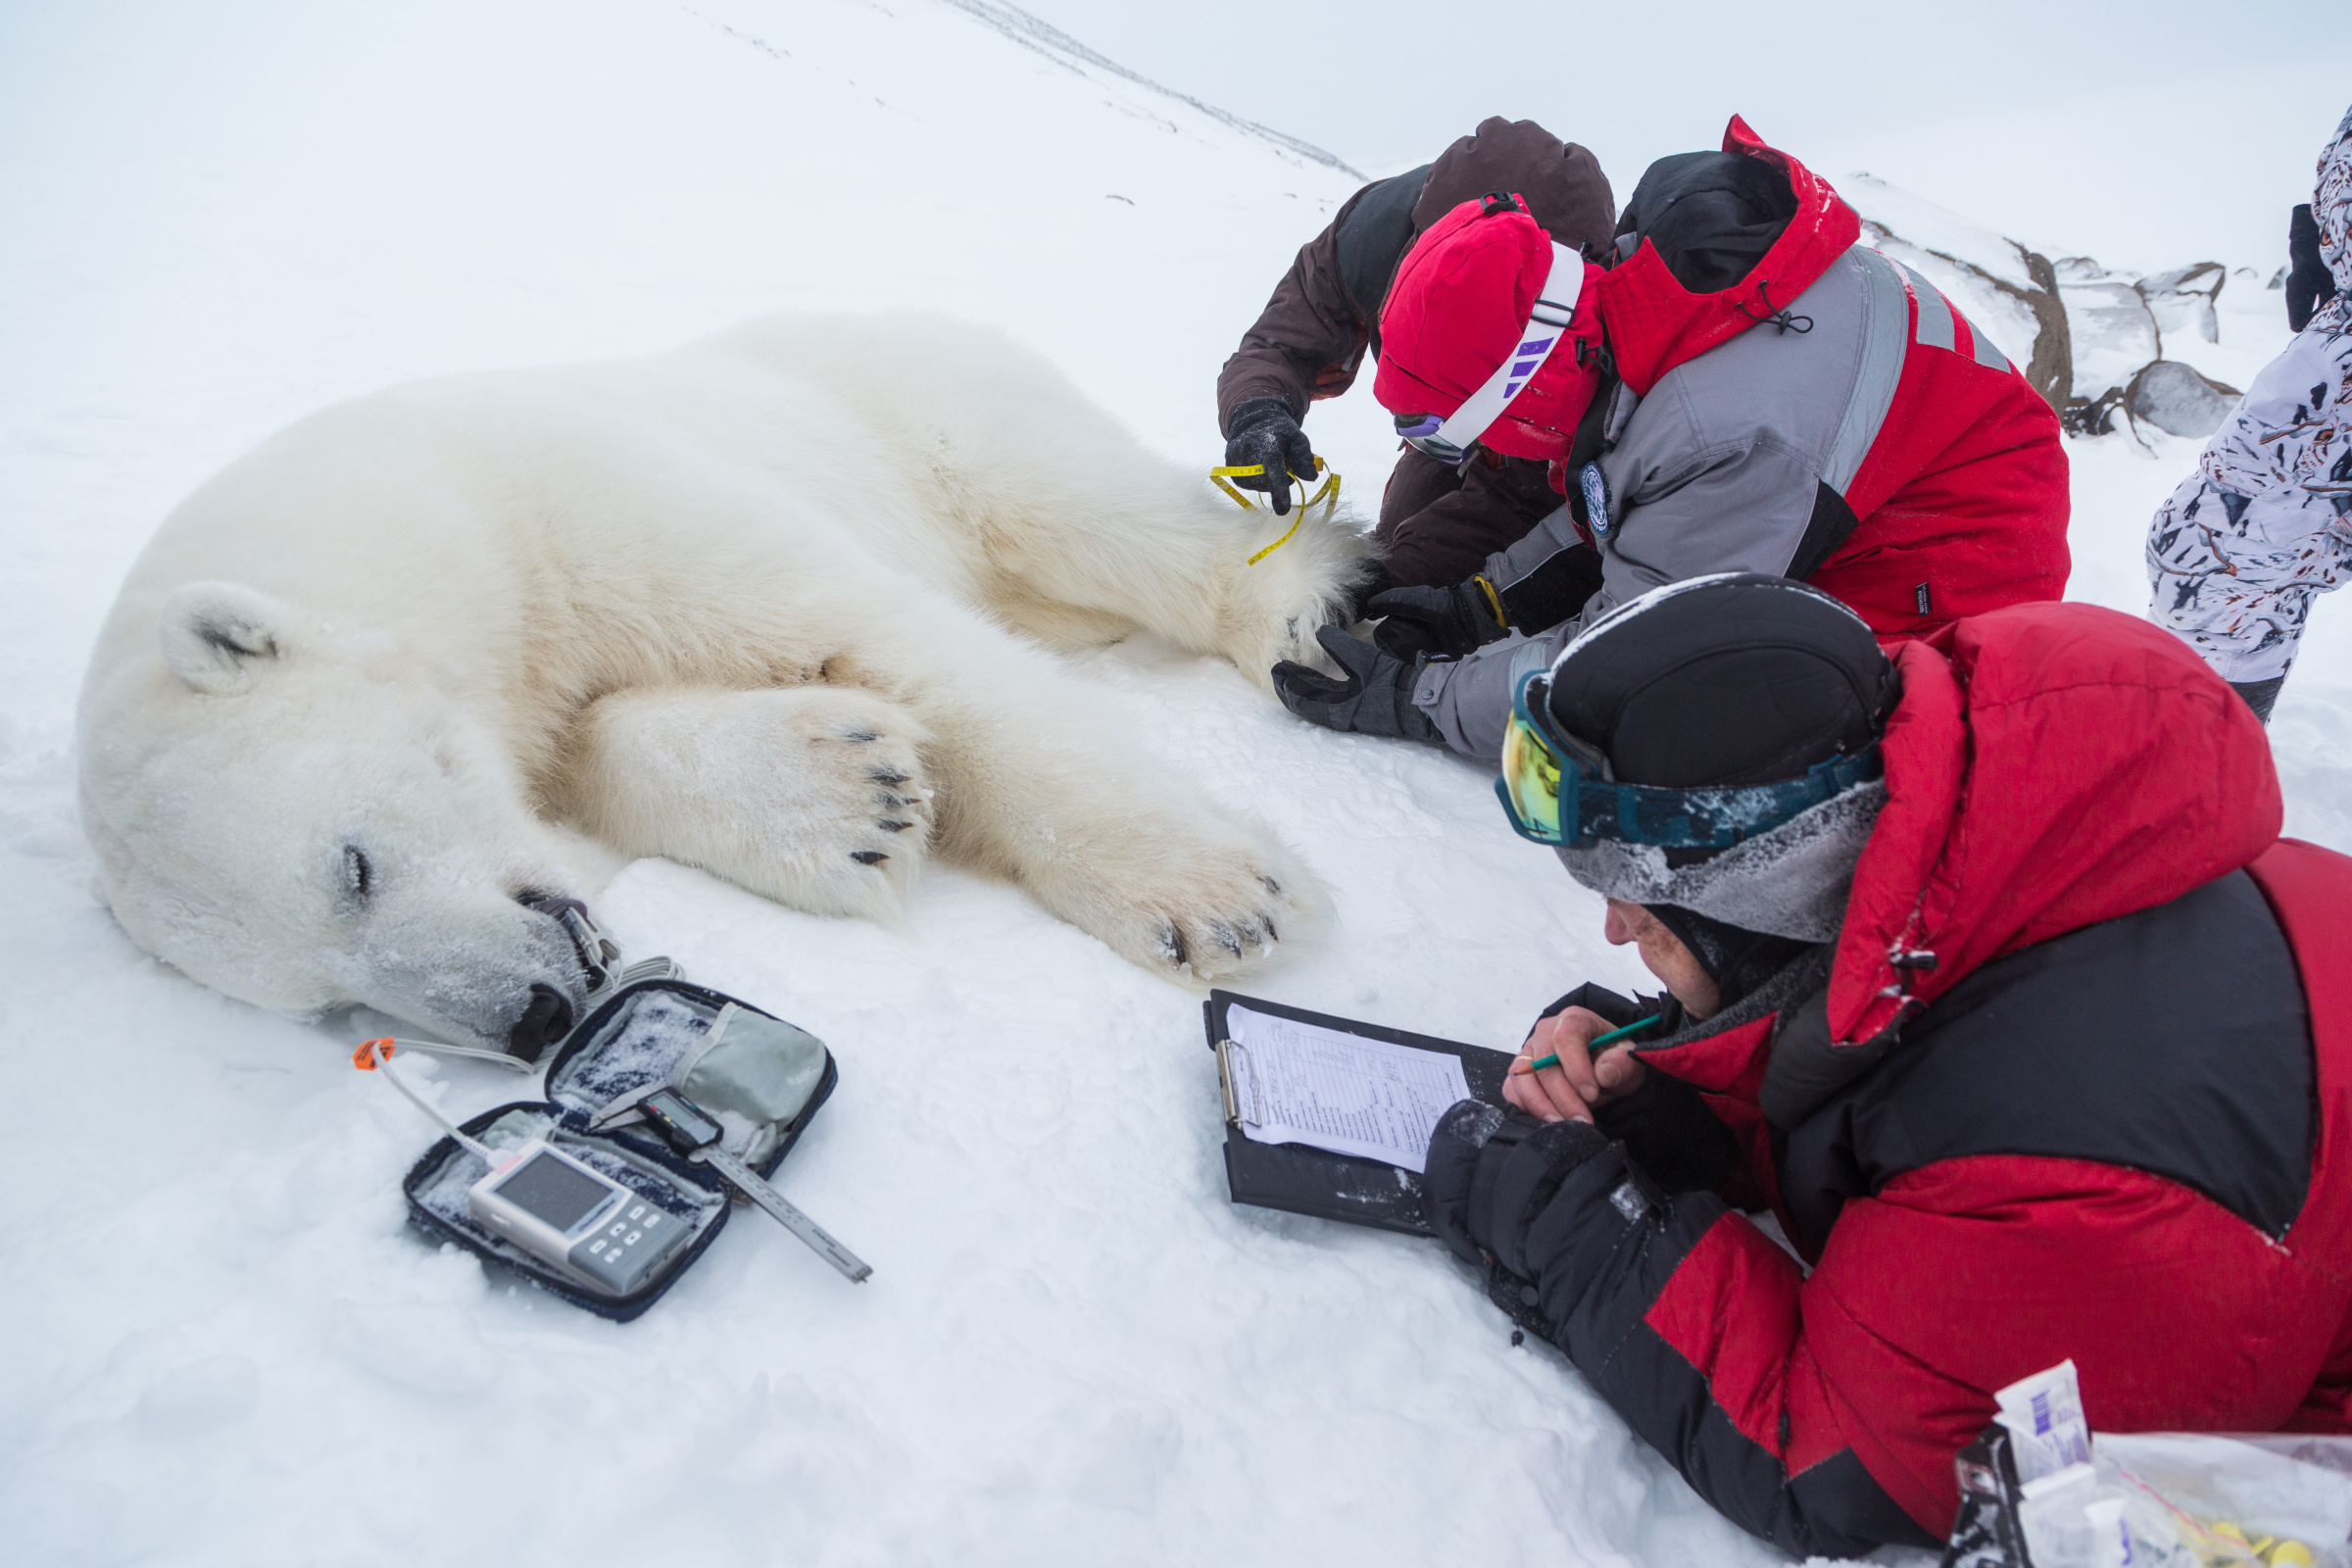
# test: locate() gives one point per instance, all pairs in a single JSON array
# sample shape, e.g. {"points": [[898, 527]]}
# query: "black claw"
{"points": [[1171, 942], [1272, 886], [862, 735], [868, 856], [1272, 934], [896, 827], [1227, 938], [887, 775]]}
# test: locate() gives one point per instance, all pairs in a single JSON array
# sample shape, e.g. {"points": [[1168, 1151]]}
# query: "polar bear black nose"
{"points": [[545, 1021]]}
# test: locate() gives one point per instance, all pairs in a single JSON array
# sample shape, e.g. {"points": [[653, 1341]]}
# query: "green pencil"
{"points": [[1598, 1041]]}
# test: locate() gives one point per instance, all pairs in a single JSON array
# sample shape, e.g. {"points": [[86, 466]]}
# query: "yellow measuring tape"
{"points": [[1327, 498]]}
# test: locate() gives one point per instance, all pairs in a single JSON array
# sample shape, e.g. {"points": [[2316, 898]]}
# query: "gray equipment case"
{"points": [[761, 1078]]}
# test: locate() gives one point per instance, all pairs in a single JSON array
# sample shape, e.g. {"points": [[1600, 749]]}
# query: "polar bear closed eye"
{"points": [[417, 658]]}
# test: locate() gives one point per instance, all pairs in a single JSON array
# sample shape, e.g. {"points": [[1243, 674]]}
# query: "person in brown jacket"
{"points": [[1438, 524]]}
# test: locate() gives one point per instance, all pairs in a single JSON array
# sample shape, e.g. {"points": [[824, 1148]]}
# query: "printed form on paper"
{"points": [[1300, 1083]]}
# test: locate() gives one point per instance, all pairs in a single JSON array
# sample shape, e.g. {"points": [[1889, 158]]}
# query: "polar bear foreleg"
{"points": [[1043, 780], [1111, 529], [812, 796]]}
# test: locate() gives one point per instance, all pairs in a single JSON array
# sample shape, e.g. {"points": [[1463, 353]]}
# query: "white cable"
{"points": [[494, 1059], [378, 1050]]}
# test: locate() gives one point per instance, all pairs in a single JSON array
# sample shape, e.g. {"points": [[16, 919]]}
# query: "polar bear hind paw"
{"points": [[1191, 910]]}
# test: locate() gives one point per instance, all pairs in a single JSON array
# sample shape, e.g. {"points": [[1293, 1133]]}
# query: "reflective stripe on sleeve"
{"points": [[1936, 329], [1886, 341], [1989, 356], [1935, 313]]}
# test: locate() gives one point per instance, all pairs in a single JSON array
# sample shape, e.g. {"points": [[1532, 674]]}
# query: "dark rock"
{"points": [[2176, 399], [2052, 370], [2183, 300]]}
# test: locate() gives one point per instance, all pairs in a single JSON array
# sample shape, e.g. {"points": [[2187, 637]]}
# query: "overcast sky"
{"points": [[2147, 135]]}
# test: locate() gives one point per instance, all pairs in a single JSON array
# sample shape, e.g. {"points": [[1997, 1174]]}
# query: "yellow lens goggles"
{"points": [[1557, 790], [1530, 785]]}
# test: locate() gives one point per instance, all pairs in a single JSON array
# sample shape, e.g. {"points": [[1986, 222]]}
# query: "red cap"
{"points": [[1460, 305]]}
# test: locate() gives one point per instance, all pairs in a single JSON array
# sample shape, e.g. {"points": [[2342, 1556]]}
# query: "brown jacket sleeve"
{"points": [[1310, 337], [1436, 528]]}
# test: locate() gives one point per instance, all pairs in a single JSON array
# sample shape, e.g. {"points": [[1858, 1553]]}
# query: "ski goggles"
{"points": [[1556, 790], [1448, 440], [1421, 432]]}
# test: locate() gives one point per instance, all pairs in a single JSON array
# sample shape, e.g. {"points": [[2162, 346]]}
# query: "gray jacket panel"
{"points": [[1719, 468], [1553, 533], [1469, 699]]}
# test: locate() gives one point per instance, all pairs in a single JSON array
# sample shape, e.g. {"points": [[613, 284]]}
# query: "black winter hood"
{"points": [[1712, 216]]}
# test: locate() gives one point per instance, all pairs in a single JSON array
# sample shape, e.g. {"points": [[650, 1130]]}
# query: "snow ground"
{"points": [[225, 1346]]}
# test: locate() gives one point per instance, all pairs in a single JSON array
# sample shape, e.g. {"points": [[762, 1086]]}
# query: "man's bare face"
{"points": [[1664, 955]]}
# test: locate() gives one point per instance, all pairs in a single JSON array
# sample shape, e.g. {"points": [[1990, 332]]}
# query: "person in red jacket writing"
{"points": [[1743, 388], [1990, 977]]}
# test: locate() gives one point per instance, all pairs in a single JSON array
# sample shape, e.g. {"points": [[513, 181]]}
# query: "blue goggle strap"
{"points": [[1710, 818], [1713, 818]]}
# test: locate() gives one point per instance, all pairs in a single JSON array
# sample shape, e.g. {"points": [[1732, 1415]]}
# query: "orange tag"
{"points": [[363, 1058]]}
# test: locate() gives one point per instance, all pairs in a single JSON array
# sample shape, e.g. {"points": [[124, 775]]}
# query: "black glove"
{"points": [[1374, 698], [1453, 621], [1416, 622], [1264, 430], [1519, 1299], [1450, 1166], [2309, 283], [1490, 1172]]}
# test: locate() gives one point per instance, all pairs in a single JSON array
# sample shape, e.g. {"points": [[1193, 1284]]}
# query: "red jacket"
{"points": [[2079, 1083], [1962, 477], [1829, 417]]}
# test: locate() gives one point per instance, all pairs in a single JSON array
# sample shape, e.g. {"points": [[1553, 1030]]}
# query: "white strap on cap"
{"points": [[1555, 307]]}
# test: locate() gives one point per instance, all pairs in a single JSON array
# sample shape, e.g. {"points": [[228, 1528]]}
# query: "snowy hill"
{"points": [[226, 1345]]}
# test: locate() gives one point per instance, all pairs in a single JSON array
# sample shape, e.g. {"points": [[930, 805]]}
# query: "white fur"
{"points": [[745, 604]]}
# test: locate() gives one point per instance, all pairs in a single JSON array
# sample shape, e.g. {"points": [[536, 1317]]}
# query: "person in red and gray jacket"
{"points": [[1437, 521], [1746, 388], [1989, 975]]}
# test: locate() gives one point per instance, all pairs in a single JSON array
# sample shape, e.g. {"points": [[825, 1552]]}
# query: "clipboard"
{"points": [[1300, 1180]]}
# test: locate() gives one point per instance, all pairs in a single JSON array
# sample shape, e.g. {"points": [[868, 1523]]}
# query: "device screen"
{"points": [[554, 1191]]}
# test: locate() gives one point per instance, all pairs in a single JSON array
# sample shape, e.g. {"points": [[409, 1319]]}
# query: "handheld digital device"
{"points": [[576, 1219]]}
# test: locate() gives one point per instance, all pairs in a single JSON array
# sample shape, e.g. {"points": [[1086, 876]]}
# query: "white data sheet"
{"points": [[1300, 1083]]}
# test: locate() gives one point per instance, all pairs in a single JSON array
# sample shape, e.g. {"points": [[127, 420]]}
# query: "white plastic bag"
{"points": [[2146, 1499]]}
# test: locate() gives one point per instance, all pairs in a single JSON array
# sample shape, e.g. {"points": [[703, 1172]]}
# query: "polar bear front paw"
{"points": [[813, 795], [886, 796], [838, 818], [1288, 613]]}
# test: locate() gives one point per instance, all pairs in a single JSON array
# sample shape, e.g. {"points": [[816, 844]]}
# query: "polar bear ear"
{"points": [[216, 635]]}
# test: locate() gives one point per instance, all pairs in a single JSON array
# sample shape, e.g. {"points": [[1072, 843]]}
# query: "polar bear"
{"points": [[778, 603]]}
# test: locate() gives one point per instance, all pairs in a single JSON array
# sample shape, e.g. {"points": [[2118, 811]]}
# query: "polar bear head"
{"points": [[304, 824]]}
